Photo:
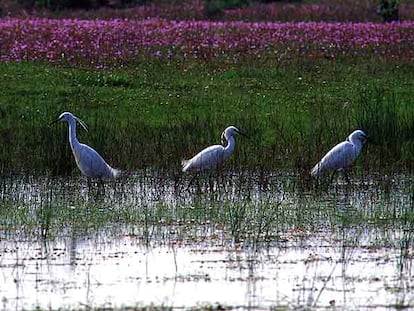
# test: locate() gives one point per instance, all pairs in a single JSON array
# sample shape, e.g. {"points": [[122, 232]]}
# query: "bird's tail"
{"points": [[113, 173], [184, 165], [116, 173], [316, 170]]}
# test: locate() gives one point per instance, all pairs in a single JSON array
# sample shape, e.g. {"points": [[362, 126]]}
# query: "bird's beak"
{"points": [[242, 134], [368, 139], [53, 122]]}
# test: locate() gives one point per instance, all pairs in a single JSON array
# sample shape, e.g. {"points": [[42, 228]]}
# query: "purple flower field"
{"points": [[114, 43]]}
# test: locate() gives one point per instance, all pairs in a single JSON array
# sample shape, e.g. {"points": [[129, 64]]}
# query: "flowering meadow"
{"points": [[116, 43]]}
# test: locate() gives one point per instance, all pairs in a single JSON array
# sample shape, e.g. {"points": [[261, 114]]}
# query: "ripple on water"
{"points": [[248, 246]]}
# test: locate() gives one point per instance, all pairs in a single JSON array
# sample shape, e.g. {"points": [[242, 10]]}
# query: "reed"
{"points": [[51, 208]]}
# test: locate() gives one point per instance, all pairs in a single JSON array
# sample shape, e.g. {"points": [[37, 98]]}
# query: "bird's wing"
{"points": [[93, 165], [205, 159], [337, 158]]}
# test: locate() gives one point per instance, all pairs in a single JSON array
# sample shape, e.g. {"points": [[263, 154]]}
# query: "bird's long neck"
{"points": [[72, 134], [357, 144], [231, 143]]}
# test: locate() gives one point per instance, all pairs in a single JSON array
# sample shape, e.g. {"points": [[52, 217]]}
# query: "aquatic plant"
{"points": [[237, 227]]}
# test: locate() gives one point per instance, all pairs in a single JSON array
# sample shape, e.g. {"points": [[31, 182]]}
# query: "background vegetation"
{"points": [[155, 114], [252, 10]]}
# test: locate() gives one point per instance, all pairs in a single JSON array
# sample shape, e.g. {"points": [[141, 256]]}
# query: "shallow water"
{"points": [[144, 242]]}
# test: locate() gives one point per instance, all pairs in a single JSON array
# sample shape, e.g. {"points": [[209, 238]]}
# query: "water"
{"points": [[246, 241]]}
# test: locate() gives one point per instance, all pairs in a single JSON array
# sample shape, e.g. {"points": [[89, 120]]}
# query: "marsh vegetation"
{"points": [[155, 115], [245, 239], [257, 234]]}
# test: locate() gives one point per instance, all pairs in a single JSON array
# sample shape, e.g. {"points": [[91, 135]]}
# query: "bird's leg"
{"points": [[101, 187], [220, 180], [88, 180], [115, 187], [198, 186], [332, 177], [211, 179], [191, 181], [177, 186], [346, 177]]}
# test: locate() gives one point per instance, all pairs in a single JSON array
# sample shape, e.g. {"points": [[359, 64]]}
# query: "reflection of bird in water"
{"points": [[90, 162], [342, 155]]}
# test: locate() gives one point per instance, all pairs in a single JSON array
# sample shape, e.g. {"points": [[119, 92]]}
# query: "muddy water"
{"points": [[317, 263]]}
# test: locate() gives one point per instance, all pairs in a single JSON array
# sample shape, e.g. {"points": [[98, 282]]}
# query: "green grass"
{"points": [[155, 114]]}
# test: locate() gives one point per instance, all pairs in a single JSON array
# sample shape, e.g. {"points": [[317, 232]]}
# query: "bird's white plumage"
{"points": [[211, 157], [342, 155], [208, 158], [89, 162]]}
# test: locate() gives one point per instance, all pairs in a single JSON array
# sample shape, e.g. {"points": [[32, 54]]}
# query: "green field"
{"points": [[157, 113]]}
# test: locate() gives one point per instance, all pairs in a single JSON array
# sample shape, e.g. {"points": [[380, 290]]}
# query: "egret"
{"points": [[89, 162], [342, 155], [213, 156]]}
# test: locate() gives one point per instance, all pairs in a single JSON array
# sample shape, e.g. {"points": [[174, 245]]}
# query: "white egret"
{"points": [[342, 155], [211, 157], [90, 162]]}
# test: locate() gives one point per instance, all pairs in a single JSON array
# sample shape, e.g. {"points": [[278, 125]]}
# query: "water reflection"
{"points": [[238, 245]]}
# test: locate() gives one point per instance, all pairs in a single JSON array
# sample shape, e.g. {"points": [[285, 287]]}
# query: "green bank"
{"points": [[156, 113]]}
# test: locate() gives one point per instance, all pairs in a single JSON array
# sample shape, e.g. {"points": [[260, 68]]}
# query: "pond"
{"points": [[244, 240]]}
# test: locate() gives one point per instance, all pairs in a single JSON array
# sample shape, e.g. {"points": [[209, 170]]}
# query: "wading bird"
{"points": [[342, 155], [211, 157], [90, 163]]}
